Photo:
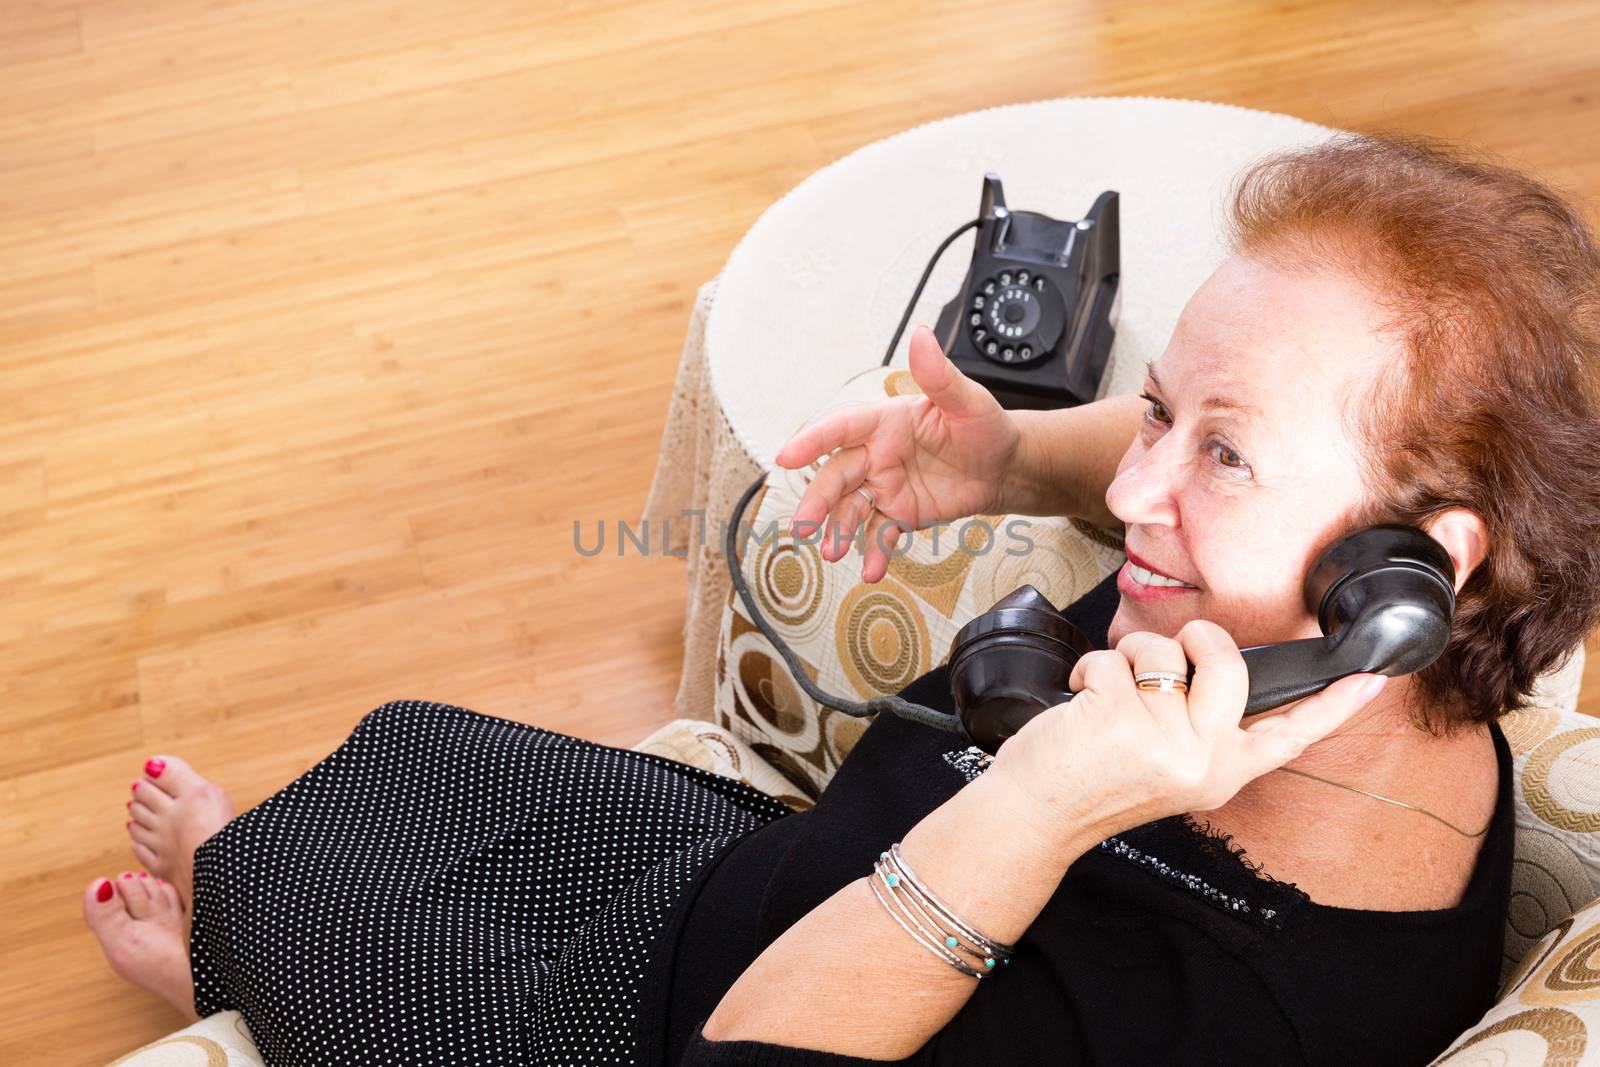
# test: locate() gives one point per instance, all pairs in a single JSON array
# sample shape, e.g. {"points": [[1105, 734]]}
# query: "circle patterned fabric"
{"points": [[447, 887]]}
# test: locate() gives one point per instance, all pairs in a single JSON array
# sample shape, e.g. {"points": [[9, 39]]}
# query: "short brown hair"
{"points": [[1493, 282]]}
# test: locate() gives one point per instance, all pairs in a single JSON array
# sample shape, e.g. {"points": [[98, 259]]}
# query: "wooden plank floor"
{"points": [[321, 323]]}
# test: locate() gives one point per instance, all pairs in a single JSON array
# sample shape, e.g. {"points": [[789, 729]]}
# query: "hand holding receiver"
{"points": [[1383, 595], [1116, 756], [940, 456]]}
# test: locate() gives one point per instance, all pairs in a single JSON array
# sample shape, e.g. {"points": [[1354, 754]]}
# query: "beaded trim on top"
{"points": [[1175, 847], [970, 762], [1232, 882]]}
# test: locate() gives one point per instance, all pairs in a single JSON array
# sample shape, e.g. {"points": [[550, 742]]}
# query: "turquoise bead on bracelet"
{"points": [[930, 907]]}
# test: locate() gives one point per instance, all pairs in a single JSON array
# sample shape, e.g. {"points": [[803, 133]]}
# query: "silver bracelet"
{"points": [[907, 895], [896, 876], [938, 950], [991, 948]]}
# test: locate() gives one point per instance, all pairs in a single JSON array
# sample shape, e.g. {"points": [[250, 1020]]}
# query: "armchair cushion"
{"points": [[718, 750], [220, 1040], [1556, 760], [1549, 1005]]}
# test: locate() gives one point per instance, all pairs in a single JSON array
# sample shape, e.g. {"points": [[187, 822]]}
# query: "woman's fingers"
{"points": [[942, 382], [1277, 739], [1221, 682], [849, 426], [882, 537], [844, 521], [842, 473], [1107, 672], [1146, 651]]}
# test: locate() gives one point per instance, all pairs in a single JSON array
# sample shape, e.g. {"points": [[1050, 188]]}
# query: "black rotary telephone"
{"points": [[1383, 595], [1033, 321]]}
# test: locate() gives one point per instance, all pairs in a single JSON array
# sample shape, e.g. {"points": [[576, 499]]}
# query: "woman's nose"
{"points": [[1146, 491]]}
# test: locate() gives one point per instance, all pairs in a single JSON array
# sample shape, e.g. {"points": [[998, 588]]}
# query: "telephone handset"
{"points": [[1383, 595]]}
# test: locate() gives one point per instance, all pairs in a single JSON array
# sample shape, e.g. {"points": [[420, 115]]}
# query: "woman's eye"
{"points": [[1157, 410], [1229, 458], [1225, 456]]}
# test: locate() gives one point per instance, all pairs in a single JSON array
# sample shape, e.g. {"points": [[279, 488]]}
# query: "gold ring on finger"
{"points": [[1161, 682]]}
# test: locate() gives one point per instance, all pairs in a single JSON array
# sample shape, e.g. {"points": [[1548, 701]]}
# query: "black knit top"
{"points": [[1164, 944]]}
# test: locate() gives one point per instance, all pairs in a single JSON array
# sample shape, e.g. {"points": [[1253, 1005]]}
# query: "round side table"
{"points": [[813, 291]]}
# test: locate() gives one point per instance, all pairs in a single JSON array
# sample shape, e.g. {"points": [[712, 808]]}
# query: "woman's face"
{"points": [[1242, 471]]}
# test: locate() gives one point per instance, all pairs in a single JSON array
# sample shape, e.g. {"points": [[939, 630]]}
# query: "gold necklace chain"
{"points": [[1398, 803]]}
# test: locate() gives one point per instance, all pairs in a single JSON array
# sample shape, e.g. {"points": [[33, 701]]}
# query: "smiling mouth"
{"points": [[1153, 578]]}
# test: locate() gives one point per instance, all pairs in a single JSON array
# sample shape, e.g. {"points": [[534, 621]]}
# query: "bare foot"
{"points": [[174, 810], [139, 921]]}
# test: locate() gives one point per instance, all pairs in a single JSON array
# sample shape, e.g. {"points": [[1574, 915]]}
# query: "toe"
{"points": [[143, 814], [147, 793], [103, 911], [134, 894], [143, 835], [164, 897], [145, 855], [171, 775]]}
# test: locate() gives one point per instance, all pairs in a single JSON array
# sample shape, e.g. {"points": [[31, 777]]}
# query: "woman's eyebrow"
{"points": [[1213, 403]]}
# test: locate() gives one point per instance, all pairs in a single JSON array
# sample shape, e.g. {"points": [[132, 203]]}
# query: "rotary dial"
{"points": [[1005, 316]]}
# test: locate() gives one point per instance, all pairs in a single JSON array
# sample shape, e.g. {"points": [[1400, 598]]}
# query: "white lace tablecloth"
{"points": [[812, 293]]}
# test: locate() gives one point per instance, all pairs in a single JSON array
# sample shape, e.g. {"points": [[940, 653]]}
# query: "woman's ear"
{"points": [[1463, 534]]}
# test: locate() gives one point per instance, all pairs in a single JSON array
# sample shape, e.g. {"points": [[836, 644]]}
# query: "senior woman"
{"points": [[1401, 333]]}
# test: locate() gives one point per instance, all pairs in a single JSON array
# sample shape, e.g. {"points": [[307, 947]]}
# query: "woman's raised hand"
{"points": [[1115, 756], [937, 457]]}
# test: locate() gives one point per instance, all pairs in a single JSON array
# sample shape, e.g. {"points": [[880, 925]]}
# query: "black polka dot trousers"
{"points": [[447, 887]]}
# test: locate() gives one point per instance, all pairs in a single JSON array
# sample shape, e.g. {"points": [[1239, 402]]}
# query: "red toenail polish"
{"points": [[103, 894], [144, 874], [130, 804], [135, 785], [154, 767], [127, 874]]}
